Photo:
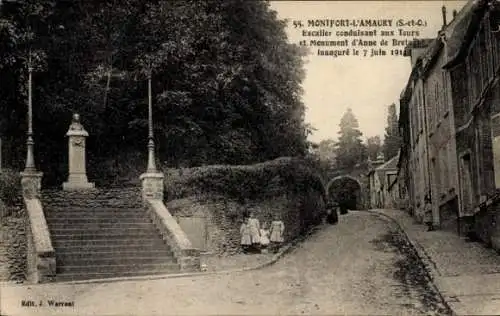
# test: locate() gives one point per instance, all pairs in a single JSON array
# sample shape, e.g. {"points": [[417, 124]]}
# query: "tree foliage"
{"points": [[225, 81], [373, 147], [350, 149], [392, 140]]}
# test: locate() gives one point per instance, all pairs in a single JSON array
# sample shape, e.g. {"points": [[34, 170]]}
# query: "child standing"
{"points": [[246, 240], [254, 228], [277, 230], [428, 220], [264, 238]]}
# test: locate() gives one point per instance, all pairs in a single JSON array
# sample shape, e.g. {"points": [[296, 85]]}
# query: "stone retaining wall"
{"points": [[224, 216], [13, 247]]}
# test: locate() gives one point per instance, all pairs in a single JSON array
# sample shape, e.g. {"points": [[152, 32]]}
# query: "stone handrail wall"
{"points": [[187, 256], [41, 255]]}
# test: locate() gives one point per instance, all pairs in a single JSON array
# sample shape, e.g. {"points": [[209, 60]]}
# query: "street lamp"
{"points": [[152, 180], [31, 179], [151, 143], [30, 160]]}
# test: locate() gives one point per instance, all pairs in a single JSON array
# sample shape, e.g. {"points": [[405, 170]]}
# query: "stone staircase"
{"points": [[104, 234]]}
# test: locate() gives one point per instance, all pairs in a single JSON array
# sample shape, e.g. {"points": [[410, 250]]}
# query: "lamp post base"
{"points": [[31, 183], [152, 185]]}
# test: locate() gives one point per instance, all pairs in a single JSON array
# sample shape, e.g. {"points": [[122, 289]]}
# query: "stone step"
{"points": [[89, 209], [98, 260], [106, 275], [68, 230], [102, 225], [112, 252], [97, 193], [92, 242], [91, 215], [100, 234], [116, 268], [69, 205], [54, 221]]}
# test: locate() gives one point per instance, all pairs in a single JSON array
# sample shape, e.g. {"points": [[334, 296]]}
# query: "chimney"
{"points": [[454, 13], [444, 16]]}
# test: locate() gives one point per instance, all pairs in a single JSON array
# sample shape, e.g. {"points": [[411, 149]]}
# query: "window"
{"points": [[495, 37], [436, 173], [466, 186], [484, 57], [444, 93], [444, 163]]}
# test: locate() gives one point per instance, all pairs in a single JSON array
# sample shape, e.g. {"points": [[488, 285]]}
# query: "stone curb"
{"points": [[283, 251], [430, 268]]}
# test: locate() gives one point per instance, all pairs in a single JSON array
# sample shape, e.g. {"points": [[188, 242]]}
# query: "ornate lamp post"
{"points": [[30, 177], [151, 143], [30, 160], [152, 180]]}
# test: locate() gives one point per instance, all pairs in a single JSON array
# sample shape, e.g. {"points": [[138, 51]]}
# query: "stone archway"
{"points": [[346, 190]]}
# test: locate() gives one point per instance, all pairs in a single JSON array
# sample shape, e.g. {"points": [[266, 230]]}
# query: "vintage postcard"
{"points": [[234, 157]]}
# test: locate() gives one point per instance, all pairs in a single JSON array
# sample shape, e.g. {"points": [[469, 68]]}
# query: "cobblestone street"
{"points": [[355, 267]]}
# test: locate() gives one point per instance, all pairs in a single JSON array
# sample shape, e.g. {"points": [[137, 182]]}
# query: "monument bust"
{"points": [[75, 123], [77, 178]]}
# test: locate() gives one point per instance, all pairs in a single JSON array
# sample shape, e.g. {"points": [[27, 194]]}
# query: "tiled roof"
{"points": [[462, 33], [457, 29]]}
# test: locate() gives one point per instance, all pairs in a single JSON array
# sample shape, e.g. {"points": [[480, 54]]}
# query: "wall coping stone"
{"points": [[181, 239], [39, 228], [42, 265]]}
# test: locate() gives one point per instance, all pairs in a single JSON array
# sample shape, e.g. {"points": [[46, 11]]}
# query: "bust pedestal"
{"points": [[77, 178]]}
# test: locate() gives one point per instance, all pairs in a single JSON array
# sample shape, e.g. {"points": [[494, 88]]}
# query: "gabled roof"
{"points": [[457, 28], [392, 164]]}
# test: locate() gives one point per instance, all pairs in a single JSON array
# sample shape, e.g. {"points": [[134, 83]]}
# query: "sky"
{"points": [[368, 85]]}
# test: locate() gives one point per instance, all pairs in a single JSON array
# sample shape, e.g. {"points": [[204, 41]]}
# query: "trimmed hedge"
{"points": [[244, 182], [290, 187]]}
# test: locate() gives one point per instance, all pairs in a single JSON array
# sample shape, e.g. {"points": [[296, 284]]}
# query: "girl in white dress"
{"points": [[277, 230], [264, 238], [246, 240], [254, 226]]}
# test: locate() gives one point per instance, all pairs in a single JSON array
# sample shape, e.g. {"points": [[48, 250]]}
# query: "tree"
{"points": [[225, 80], [350, 149], [392, 140], [373, 147], [326, 150]]}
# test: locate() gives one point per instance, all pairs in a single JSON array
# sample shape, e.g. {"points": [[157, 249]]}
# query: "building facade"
{"points": [[474, 69], [381, 181], [439, 118], [414, 152], [450, 111]]}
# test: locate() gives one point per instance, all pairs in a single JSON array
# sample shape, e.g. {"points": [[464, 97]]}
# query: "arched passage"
{"points": [[346, 191]]}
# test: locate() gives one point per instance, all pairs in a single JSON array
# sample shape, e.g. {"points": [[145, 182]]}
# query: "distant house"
{"points": [[383, 194]]}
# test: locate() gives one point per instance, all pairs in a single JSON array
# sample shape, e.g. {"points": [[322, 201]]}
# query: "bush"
{"points": [[10, 187], [258, 181]]}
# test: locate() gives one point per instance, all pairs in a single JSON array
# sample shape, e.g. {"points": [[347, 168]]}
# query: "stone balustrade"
{"points": [[187, 256], [41, 257]]}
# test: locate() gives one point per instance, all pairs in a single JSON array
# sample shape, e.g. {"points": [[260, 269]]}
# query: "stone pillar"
{"points": [[31, 183], [77, 178], [152, 186]]}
